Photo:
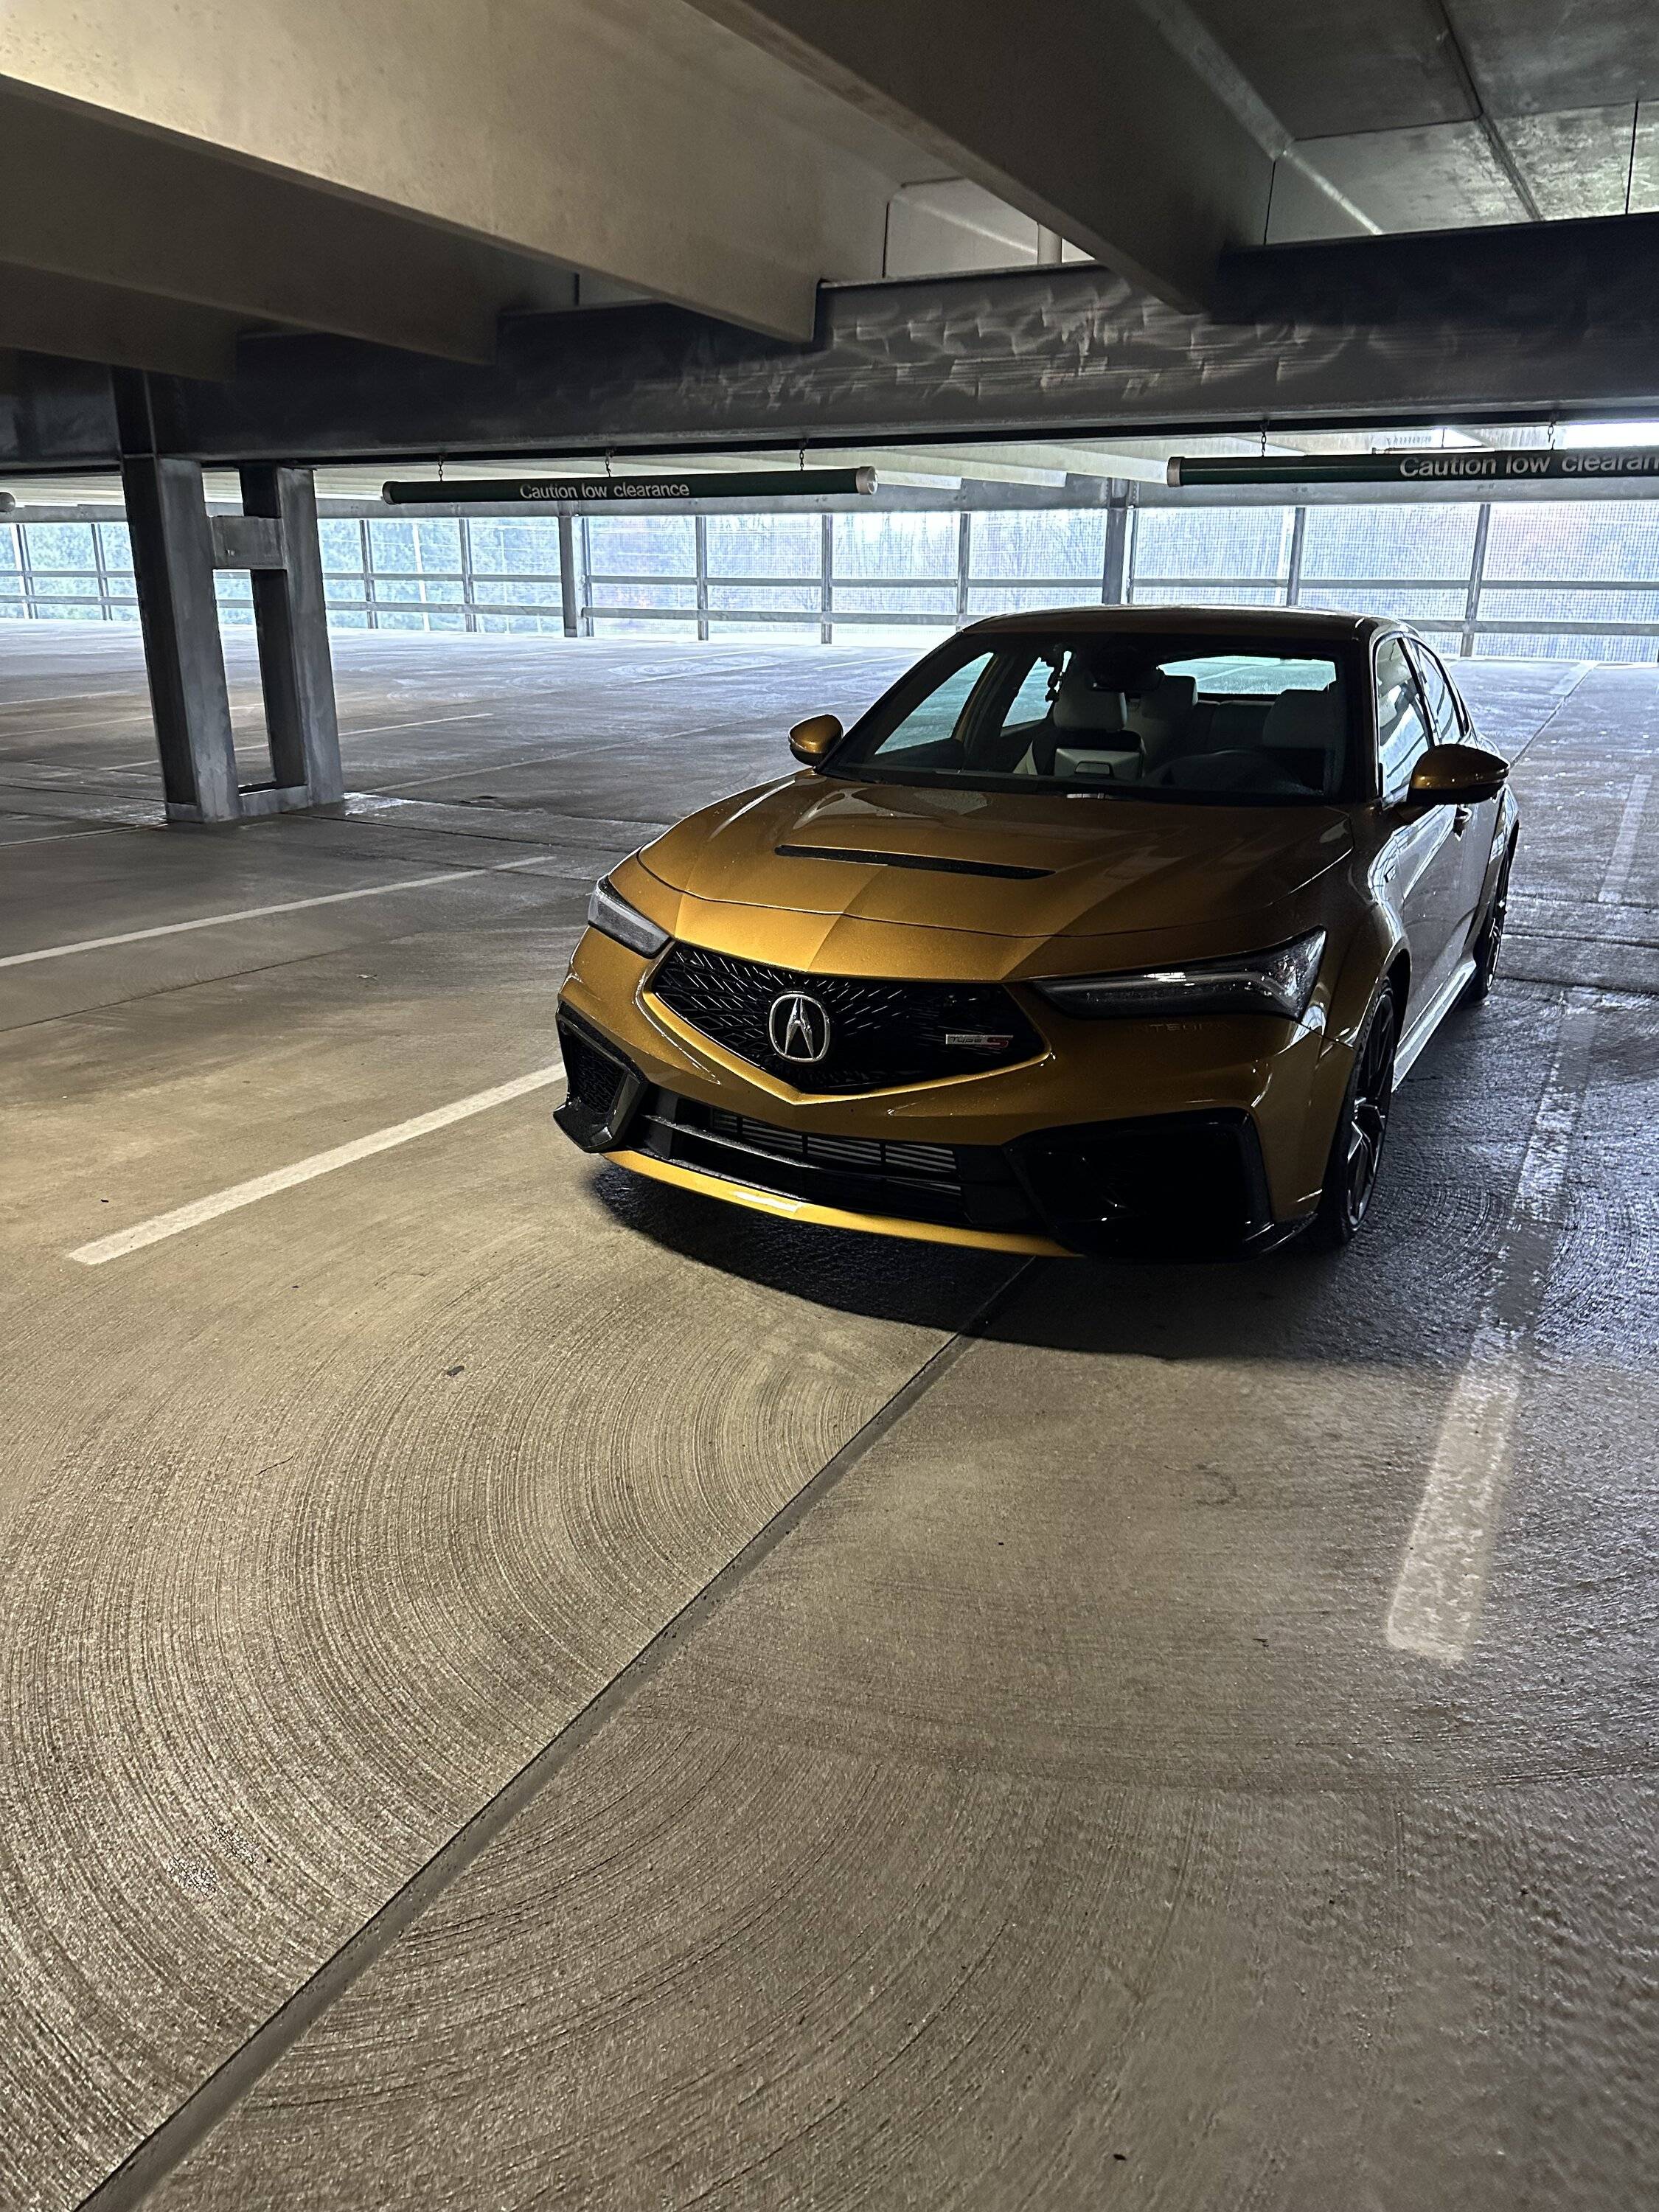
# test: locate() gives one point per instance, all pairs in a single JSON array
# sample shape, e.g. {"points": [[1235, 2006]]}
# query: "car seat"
{"points": [[1302, 731], [1076, 739], [1161, 717]]}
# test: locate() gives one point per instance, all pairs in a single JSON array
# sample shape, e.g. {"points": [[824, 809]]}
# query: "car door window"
{"points": [[1402, 733], [1443, 700]]}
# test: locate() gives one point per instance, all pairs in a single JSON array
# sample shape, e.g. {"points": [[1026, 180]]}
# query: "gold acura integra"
{"points": [[1105, 930]]}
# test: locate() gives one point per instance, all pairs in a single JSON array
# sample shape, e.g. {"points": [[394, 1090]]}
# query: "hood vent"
{"points": [[912, 860]]}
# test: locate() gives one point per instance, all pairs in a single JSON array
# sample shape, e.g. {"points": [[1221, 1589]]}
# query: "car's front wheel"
{"points": [[1489, 943], [1357, 1148]]}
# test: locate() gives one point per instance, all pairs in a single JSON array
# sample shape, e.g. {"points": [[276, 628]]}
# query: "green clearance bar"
{"points": [[1569, 464], [608, 491]]}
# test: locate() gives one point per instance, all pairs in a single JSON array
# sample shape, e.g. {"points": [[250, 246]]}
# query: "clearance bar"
{"points": [[608, 490], [1569, 463]]}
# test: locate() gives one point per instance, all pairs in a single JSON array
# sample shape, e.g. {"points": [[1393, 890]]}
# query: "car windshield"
{"points": [[1117, 715]]}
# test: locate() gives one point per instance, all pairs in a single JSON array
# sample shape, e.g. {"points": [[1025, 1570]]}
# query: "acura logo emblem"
{"points": [[798, 1027]]}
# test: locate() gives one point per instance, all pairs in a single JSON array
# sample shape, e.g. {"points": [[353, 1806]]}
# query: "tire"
{"points": [[1361, 1127], [1489, 945]]}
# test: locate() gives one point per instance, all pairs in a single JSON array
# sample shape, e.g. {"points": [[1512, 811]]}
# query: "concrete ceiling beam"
{"points": [[85, 197], [1086, 115], [79, 321], [628, 140]]}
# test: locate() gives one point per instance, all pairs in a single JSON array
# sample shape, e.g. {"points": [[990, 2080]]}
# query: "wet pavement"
{"points": [[519, 1687]]}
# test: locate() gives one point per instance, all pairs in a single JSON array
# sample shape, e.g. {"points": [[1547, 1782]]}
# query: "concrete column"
{"points": [[173, 561], [290, 618]]}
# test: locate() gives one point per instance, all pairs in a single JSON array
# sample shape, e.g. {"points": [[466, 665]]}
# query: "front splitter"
{"points": [[834, 1217]]}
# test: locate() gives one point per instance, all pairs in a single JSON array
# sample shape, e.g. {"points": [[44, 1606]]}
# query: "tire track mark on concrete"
{"points": [[166, 2147]]}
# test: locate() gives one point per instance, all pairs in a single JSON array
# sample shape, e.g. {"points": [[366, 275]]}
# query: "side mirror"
{"points": [[1456, 776], [810, 740]]}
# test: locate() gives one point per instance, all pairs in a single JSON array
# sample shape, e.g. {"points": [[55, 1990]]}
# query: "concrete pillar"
{"points": [[172, 558], [290, 617]]}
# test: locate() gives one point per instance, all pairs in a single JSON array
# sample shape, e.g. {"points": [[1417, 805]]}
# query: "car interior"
{"points": [[1152, 713]]}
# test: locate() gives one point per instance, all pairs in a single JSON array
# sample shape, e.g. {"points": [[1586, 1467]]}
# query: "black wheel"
{"points": [[1357, 1148], [1489, 943]]}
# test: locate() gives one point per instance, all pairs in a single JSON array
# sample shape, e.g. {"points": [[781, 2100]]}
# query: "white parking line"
{"points": [[479, 770], [430, 722], [254, 913], [1617, 880], [1438, 1598], [58, 836], [66, 699], [319, 1164], [96, 722]]}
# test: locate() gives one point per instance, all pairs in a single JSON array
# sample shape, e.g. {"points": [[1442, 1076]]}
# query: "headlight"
{"points": [[610, 912], [1277, 982]]}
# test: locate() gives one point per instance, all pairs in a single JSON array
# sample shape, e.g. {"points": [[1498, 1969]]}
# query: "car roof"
{"points": [[1213, 622]]}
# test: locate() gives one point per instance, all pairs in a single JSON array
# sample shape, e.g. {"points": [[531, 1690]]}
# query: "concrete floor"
{"points": [[1189, 1739]]}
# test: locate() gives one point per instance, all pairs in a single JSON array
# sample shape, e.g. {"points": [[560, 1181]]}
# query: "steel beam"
{"points": [[173, 561], [1514, 325], [290, 616], [1520, 324]]}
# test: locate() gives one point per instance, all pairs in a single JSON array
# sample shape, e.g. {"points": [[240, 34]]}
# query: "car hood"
{"points": [[1085, 866]]}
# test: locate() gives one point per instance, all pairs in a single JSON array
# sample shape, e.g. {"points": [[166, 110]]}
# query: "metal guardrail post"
{"points": [[1477, 583], [1115, 578], [469, 597], [827, 580], [24, 573], [366, 551], [101, 571], [699, 573], [965, 563], [1293, 566], [569, 600]]}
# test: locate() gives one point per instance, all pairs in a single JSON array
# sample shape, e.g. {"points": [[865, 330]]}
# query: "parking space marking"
{"points": [[254, 912], [1438, 1598], [429, 722], [57, 836], [162, 1225], [66, 699], [479, 771], [1616, 881]]}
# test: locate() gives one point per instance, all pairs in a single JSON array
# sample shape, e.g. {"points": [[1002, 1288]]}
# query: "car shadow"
{"points": [[1405, 1294]]}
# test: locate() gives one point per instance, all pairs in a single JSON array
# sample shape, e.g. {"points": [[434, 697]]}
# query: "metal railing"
{"points": [[472, 597]]}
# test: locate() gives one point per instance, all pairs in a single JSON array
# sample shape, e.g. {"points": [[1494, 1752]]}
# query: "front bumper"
{"points": [[1188, 1184]]}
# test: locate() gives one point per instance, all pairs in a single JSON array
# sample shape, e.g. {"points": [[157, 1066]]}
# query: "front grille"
{"points": [[882, 1035], [863, 1155], [970, 1185]]}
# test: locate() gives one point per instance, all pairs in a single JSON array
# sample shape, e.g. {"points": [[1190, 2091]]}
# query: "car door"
{"points": [[1420, 865], [1473, 828]]}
